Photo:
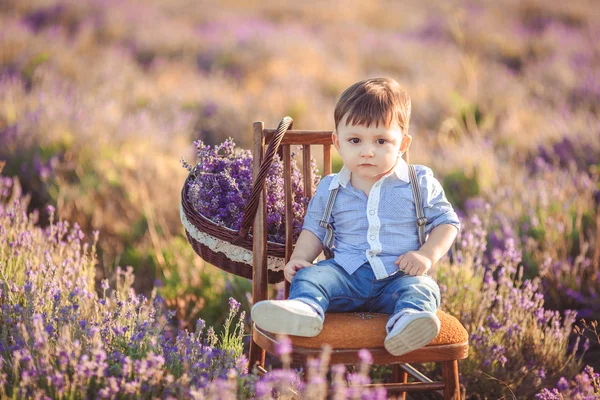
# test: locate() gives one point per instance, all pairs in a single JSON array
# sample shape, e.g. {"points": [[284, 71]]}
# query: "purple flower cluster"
{"points": [[573, 283], [582, 152], [585, 386], [554, 223], [59, 338], [223, 183], [513, 337]]}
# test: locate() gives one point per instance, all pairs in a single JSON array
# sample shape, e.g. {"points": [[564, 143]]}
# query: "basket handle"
{"points": [[259, 184]]}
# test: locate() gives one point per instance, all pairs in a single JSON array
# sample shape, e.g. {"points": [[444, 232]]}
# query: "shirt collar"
{"points": [[343, 177]]}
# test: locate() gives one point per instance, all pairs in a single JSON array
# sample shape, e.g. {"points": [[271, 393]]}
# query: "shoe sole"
{"points": [[416, 334], [276, 319]]}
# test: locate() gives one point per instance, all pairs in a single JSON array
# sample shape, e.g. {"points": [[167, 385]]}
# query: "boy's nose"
{"points": [[368, 152]]}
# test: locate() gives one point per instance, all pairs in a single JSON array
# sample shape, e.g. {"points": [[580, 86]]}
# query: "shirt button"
{"points": [[372, 212], [372, 237]]}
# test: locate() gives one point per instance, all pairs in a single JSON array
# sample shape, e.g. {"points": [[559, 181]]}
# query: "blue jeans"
{"points": [[326, 286]]}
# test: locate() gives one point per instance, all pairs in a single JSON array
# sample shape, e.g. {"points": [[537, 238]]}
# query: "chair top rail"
{"points": [[301, 137]]}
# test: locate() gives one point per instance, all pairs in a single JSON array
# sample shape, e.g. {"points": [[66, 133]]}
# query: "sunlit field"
{"points": [[102, 296]]}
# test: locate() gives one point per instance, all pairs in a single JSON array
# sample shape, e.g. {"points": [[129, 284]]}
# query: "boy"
{"points": [[378, 264]]}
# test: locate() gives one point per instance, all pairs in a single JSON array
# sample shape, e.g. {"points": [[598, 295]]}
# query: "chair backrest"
{"points": [[261, 139]]}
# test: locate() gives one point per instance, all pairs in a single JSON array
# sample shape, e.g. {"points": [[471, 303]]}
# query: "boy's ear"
{"points": [[406, 141], [335, 139]]}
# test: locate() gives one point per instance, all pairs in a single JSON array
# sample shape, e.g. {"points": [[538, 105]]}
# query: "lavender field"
{"points": [[101, 295]]}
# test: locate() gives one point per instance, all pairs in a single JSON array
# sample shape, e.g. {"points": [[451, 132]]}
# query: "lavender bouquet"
{"points": [[224, 182]]}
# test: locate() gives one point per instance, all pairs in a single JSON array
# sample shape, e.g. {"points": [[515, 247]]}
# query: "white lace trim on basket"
{"points": [[231, 251]]}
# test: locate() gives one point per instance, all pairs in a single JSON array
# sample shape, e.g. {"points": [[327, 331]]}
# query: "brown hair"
{"points": [[373, 101]]}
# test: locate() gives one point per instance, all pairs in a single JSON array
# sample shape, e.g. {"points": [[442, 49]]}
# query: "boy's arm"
{"points": [[308, 244], [442, 225], [308, 247], [417, 263], [439, 242]]}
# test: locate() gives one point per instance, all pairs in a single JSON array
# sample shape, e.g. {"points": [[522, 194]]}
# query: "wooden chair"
{"points": [[368, 329]]}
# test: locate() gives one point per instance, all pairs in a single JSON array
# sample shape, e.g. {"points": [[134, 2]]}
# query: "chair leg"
{"points": [[399, 376], [257, 356], [450, 376]]}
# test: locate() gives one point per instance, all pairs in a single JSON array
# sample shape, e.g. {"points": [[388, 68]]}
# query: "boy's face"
{"points": [[369, 153]]}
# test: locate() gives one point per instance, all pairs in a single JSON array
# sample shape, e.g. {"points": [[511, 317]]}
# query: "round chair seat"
{"points": [[367, 330]]}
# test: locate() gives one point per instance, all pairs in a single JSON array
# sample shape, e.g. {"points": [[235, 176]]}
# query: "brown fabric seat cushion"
{"points": [[367, 330]]}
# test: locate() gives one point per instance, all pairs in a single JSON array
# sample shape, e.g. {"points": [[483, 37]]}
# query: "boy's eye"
{"points": [[381, 141], [354, 140]]}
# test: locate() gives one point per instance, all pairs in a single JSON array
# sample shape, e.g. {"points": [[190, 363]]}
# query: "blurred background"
{"points": [[100, 99]]}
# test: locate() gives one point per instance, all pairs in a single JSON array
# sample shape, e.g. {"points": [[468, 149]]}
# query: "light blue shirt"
{"points": [[382, 226]]}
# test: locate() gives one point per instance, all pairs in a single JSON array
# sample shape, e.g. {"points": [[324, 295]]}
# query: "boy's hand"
{"points": [[415, 263], [294, 266]]}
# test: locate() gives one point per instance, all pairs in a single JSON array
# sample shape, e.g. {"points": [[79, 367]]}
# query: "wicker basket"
{"points": [[228, 249]]}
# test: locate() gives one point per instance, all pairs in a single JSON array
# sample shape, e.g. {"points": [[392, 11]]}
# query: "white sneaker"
{"points": [[412, 331], [287, 317]]}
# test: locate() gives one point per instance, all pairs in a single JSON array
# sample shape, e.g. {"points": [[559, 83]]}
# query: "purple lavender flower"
{"points": [[562, 384], [234, 305], [284, 345], [365, 356]]}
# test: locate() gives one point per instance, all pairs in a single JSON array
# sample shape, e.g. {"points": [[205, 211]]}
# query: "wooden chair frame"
{"points": [[448, 355]]}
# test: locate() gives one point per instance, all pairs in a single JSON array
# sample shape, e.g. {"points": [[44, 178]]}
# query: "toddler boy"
{"points": [[378, 264]]}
